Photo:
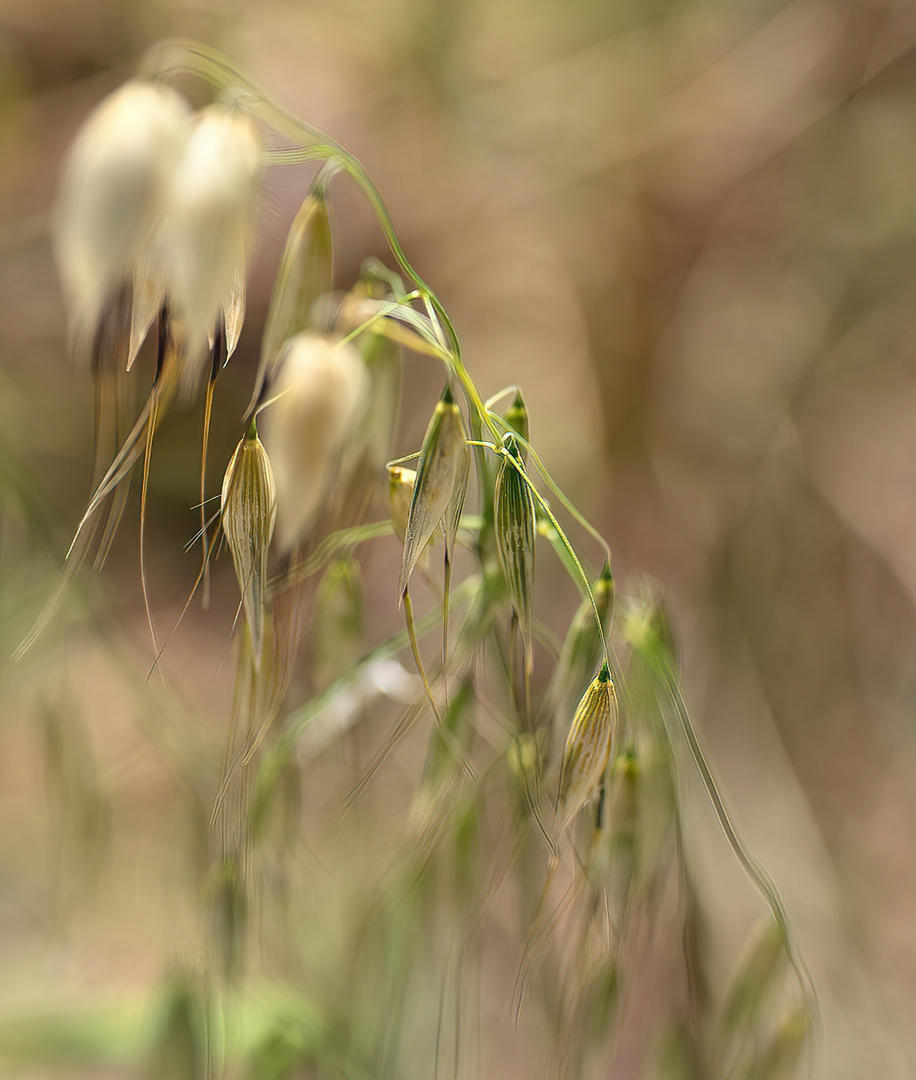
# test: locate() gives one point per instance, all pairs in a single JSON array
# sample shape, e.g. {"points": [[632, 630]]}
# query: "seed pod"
{"points": [[305, 275], [441, 480], [516, 528], [249, 512], [588, 746], [202, 244], [314, 405], [115, 182]]}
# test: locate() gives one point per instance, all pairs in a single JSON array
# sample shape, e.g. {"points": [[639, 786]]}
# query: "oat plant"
{"points": [[549, 800]]}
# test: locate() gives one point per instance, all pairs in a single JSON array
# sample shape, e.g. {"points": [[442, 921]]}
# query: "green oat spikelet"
{"points": [[516, 528], [249, 513], [517, 419], [588, 746], [440, 484]]}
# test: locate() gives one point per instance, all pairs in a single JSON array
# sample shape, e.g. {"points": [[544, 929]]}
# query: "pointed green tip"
{"points": [[604, 675], [510, 444], [447, 395], [606, 574], [252, 433]]}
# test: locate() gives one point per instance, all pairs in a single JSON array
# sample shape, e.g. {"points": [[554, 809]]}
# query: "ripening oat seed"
{"points": [[157, 221], [308, 421], [438, 491], [198, 260], [588, 747], [115, 183], [516, 528], [248, 510]]}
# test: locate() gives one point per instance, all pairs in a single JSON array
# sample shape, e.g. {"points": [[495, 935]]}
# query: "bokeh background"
{"points": [[687, 228]]}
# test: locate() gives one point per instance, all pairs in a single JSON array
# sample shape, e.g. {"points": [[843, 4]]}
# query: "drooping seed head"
{"points": [[516, 528], [440, 484], [313, 407], [248, 513], [588, 746], [114, 185], [207, 230]]}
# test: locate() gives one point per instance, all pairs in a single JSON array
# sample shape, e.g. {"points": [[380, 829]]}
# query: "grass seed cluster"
{"points": [[552, 769]]}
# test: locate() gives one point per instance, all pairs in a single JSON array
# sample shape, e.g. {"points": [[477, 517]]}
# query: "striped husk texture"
{"points": [[588, 746], [516, 527], [440, 484], [249, 513]]}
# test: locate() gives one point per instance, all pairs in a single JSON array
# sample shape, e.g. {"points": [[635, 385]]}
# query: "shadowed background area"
{"points": [[688, 231]]}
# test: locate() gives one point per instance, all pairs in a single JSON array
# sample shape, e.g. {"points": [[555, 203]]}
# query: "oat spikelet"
{"points": [[249, 512], [588, 746], [113, 191], [516, 527], [309, 424], [199, 254], [438, 492]]}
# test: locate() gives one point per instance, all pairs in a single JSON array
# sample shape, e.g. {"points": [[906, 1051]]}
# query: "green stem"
{"points": [[209, 64], [312, 144]]}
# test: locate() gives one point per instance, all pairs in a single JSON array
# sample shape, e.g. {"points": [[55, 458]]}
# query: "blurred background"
{"points": [[687, 228]]}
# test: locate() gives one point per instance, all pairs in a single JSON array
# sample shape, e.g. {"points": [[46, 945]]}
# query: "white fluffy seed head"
{"points": [[314, 405], [113, 189], [207, 229]]}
